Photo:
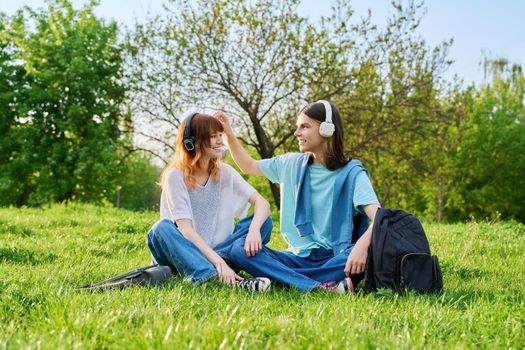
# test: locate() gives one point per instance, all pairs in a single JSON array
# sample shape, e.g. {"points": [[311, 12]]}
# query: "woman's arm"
{"points": [[355, 264], [261, 211], [225, 273], [241, 157]]}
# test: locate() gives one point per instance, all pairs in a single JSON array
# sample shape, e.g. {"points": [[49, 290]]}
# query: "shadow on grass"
{"points": [[463, 273], [131, 228], [461, 299], [112, 249], [18, 230], [51, 223], [25, 256]]}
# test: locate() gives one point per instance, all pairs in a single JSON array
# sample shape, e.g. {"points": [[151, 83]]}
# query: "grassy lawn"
{"points": [[46, 254]]}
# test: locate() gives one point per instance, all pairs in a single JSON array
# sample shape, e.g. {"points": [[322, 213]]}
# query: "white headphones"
{"points": [[327, 128]]}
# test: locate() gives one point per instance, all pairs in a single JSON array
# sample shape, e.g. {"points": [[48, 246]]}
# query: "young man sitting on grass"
{"points": [[327, 202]]}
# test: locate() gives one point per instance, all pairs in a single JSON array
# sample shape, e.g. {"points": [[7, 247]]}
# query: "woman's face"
{"points": [[216, 146], [307, 133]]}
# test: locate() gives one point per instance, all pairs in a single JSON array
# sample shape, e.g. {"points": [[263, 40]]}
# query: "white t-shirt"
{"points": [[212, 208]]}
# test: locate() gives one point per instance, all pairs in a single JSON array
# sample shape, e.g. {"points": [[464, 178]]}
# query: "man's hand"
{"points": [[355, 264], [225, 123]]}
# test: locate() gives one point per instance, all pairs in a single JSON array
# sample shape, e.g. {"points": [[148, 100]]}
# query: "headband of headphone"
{"points": [[189, 139], [327, 128]]}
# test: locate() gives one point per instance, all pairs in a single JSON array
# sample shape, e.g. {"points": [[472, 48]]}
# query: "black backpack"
{"points": [[399, 255]]}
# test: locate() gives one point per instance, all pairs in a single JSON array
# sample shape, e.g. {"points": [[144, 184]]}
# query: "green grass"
{"points": [[46, 254]]}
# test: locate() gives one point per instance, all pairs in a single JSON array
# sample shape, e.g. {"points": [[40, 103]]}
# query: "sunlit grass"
{"points": [[45, 255]]}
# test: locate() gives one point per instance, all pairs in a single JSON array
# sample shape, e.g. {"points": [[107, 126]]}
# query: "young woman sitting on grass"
{"points": [[326, 204], [201, 197]]}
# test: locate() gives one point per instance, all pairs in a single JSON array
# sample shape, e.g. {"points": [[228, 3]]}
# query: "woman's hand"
{"points": [[225, 274], [225, 123], [253, 244]]}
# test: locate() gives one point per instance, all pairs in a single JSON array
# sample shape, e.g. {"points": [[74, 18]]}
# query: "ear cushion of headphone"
{"points": [[326, 129]]}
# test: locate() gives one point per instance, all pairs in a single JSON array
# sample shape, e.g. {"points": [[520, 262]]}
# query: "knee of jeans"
{"points": [[161, 227], [237, 251], [267, 226], [268, 221]]}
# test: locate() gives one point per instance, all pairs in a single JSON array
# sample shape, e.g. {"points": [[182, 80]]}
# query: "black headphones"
{"points": [[189, 139]]}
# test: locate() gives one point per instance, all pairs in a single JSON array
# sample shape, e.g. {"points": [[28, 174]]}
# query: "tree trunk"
{"points": [[441, 197], [118, 199], [276, 193]]}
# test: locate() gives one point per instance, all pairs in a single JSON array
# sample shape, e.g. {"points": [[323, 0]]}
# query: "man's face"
{"points": [[307, 133]]}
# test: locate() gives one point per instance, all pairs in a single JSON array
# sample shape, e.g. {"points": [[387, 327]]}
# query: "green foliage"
{"points": [[13, 172], [434, 148], [387, 83], [483, 304], [63, 121], [490, 159], [138, 183]]}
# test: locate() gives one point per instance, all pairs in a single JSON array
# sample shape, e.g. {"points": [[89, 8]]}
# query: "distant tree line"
{"points": [[84, 111]]}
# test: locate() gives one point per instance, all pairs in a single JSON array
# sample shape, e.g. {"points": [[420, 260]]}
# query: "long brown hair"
{"points": [[335, 150], [202, 127]]}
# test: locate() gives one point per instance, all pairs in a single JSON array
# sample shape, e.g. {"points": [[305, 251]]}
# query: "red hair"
{"points": [[202, 127]]}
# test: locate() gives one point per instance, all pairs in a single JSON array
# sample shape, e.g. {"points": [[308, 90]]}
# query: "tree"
{"points": [[252, 58], [15, 170], [260, 60], [490, 159], [138, 187], [66, 134], [390, 93]]}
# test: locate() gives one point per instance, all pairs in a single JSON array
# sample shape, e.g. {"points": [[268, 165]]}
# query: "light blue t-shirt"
{"points": [[283, 170]]}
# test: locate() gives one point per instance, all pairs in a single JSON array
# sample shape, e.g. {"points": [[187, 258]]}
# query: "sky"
{"points": [[479, 27]]}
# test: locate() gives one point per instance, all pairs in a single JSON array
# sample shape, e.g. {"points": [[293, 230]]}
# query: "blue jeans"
{"points": [[302, 273], [169, 247]]}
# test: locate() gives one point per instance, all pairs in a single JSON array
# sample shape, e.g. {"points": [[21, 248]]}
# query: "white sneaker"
{"points": [[257, 284], [345, 286], [342, 287]]}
